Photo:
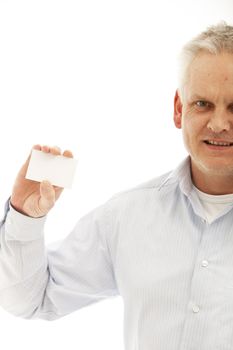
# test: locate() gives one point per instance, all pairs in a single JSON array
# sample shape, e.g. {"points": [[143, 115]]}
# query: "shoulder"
{"points": [[140, 191]]}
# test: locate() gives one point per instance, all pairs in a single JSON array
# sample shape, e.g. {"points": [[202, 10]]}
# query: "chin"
{"points": [[215, 166]]}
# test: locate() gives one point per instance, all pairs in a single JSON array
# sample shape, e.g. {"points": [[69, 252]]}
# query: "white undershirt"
{"points": [[213, 204]]}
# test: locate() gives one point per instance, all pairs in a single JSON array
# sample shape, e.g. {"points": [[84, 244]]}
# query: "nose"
{"points": [[219, 121]]}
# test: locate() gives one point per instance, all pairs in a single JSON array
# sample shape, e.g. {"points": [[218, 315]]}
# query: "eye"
{"points": [[202, 104]]}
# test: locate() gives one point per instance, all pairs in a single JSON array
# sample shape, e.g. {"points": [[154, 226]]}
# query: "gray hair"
{"points": [[215, 40]]}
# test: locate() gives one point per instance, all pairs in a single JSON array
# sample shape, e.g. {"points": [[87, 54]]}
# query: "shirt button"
{"points": [[204, 263], [195, 309]]}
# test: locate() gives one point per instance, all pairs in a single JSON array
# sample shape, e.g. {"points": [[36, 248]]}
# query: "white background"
{"points": [[97, 77]]}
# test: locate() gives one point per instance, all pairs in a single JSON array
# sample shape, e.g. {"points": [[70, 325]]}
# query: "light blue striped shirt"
{"points": [[149, 244]]}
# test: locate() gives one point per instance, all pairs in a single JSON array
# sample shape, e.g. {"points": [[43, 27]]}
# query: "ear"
{"points": [[177, 110]]}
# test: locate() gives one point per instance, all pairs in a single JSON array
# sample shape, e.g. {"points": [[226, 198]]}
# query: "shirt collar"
{"points": [[182, 175]]}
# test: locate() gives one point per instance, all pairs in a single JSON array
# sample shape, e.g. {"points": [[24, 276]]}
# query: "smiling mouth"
{"points": [[218, 144]]}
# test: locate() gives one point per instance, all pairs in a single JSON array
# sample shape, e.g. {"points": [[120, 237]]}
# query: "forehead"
{"points": [[211, 73]]}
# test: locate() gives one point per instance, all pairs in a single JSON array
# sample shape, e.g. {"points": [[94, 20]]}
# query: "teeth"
{"points": [[219, 143]]}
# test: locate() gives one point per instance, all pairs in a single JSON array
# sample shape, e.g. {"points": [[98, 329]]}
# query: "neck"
{"points": [[211, 184]]}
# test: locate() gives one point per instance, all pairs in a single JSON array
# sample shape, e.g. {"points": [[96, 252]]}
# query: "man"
{"points": [[165, 246]]}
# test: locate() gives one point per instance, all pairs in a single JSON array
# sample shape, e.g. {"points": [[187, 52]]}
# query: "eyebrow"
{"points": [[198, 97]]}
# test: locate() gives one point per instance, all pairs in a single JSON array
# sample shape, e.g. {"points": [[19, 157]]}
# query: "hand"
{"points": [[34, 198]]}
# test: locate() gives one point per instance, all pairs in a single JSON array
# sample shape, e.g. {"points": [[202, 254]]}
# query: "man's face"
{"points": [[205, 113]]}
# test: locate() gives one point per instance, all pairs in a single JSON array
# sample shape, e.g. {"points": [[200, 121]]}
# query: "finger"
{"points": [[68, 154], [55, 150], [37, 146], [45, 148]]}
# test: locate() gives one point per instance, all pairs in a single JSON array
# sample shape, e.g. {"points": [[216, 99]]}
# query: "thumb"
{"points": [[47, 193]]}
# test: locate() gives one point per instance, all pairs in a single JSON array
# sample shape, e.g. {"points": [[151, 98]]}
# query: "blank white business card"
{"points": [[58, 170]]}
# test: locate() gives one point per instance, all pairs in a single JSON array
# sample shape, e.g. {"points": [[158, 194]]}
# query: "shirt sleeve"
{"points": [[50, 282]]}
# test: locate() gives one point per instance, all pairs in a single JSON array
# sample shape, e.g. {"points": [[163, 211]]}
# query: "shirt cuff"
{"points": [[24, 228]]}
